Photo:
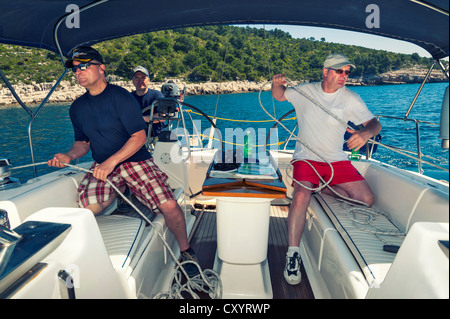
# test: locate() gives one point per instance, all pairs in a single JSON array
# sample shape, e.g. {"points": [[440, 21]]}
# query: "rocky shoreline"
{"points": [[66, 92]]}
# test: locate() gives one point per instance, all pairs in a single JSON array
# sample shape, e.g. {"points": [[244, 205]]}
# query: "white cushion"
{"points": [[121, 235]]}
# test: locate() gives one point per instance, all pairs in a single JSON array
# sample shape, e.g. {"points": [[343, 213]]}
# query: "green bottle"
{"points": [[248, 145], [355, 155]]}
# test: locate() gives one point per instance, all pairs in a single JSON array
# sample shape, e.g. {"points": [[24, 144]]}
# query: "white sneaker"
{"points": [[292, 272]]}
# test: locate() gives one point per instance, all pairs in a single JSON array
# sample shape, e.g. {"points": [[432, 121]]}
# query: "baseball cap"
{"points": [[337, 61], [83, 54], [140, 69]]}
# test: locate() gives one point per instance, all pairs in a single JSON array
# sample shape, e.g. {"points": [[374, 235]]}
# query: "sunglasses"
{"points": [[83, 66], [340, 71]]}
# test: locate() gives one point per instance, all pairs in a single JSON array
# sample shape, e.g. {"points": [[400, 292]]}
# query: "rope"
{"points": [[29, 165], [249, 121], [227, 45], [318, 104], [207, 281], [206, 136], [208, 276], [371, 215]]}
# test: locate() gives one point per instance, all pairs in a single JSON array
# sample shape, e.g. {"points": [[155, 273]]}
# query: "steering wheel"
{"points": [[275, 125], [219, 134]]}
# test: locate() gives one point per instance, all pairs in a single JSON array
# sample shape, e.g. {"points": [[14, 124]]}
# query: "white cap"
{"points": [[140, 69], [337, 61]]}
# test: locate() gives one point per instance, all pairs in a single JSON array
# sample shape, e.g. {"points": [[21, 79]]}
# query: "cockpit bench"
{"points": [[121, 235], [348, 261]]}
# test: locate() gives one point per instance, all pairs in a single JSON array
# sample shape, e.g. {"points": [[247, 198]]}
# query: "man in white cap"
{"points": [[323, 137], [146, 96]]}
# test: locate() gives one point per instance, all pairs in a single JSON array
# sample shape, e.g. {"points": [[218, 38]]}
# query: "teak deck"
{"points": [[205, 245], [204, 242]]}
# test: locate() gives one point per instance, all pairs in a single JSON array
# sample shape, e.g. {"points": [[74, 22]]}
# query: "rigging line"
{"points": [[318, 104], [302, 142], [431, 6], [233, 120], [29, 165], [268, 66], [236, 144], [403, 152], [227, 45]]}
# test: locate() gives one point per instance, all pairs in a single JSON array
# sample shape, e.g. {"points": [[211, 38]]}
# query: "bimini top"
{"points": [[35, 22]]}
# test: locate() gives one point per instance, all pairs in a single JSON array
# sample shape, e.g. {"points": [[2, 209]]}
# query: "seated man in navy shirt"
{"points": [[108, 121], [146, 97]]}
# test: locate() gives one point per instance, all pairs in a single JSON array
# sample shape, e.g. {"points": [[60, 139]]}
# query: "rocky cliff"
{"points": [[403, 76], [35, 93], [66, 93]]}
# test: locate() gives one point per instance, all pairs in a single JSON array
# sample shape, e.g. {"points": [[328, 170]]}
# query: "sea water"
{"points": [[52, 130]]}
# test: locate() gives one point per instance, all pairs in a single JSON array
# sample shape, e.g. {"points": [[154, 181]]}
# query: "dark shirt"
{"points": [[107, 121], [146, 100]]}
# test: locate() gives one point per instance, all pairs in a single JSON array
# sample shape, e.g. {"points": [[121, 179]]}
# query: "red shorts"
{"points": [[344, 172], [145, 180]]}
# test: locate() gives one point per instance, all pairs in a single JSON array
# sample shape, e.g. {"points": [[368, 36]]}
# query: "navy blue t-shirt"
{"points": [[146, 100], [107, 121]]}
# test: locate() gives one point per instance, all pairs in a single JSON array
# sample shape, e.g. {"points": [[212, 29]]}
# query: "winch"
{"points": [[5, 180]]}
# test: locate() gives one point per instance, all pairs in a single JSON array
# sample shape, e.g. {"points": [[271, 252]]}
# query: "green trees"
{"points": [[210, 53]]}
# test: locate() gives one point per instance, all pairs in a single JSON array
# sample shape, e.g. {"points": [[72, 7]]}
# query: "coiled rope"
{"points": [[208, 281]]}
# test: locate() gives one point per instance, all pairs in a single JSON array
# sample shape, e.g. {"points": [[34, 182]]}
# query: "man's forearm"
{"points": [[278, 92], [373, 126], [278, 87], [78, 150], [134, 144]]}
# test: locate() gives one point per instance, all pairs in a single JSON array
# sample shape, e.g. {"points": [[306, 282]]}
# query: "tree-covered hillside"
{"points": [[214, 53]]}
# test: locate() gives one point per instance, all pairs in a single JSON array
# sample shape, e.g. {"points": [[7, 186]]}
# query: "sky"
{"points": [[351, 38]]}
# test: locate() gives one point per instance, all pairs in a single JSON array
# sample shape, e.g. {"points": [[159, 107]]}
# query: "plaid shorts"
{"points": [[144, 179]]}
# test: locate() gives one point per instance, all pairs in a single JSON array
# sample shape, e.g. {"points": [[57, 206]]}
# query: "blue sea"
{"points": [[52, 129]]}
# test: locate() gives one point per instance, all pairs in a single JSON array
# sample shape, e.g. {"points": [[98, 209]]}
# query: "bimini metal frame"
{"points": [[419, 152], [33, 115], [423, 83]]}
